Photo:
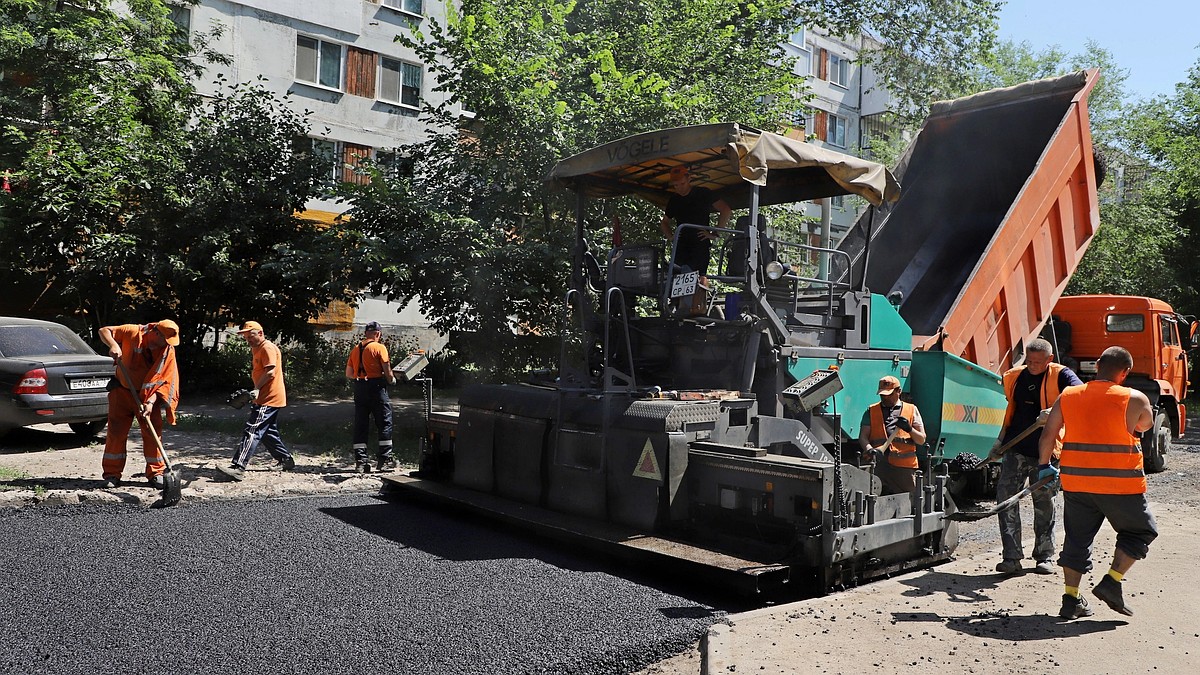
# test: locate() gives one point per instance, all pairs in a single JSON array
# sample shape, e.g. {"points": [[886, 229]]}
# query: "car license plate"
{"points": [[93, 383]]}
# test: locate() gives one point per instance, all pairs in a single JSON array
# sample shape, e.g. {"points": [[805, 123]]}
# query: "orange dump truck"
{"points": [[1157, 337]]}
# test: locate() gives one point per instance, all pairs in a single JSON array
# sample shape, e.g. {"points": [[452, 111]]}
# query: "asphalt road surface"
{"points": [[346, 584]]}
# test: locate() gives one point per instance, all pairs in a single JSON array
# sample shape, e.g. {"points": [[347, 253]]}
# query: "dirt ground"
{"points": [[960, 616]]}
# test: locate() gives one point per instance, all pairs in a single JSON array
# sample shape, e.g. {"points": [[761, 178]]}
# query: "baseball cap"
{"points": [[249, 326], [169, 330], [680, 170], [373, 326], [888, 384]]}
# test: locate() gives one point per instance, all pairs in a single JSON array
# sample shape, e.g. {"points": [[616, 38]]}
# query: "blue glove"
{"points": [[1047, 471]]}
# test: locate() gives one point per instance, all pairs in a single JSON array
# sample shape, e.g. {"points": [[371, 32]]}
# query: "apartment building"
{"points": [[338, 59], [849, 109]]}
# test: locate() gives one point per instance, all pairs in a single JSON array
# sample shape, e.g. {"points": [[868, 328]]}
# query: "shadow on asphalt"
{"points": [[424, 528]]}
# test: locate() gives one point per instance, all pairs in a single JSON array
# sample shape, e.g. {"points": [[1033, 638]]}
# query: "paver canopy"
{"points": [[728, 159]]}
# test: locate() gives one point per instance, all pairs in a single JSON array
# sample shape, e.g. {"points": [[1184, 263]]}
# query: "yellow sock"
{"points": [[1117, 576], [1073, 591]]}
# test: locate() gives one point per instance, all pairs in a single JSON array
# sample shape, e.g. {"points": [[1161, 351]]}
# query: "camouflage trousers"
{"points": [[1016, 470]]}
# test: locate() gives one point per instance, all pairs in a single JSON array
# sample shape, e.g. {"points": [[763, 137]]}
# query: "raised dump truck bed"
{"points": [[998, 207]]}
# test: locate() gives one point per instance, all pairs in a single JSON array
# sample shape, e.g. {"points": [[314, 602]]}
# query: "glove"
{"points": [[254, 394], [903, 424], [1047, 471]]}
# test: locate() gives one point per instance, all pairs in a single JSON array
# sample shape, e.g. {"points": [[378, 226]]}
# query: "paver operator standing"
{"points": [[1102, 478], [1030, 389], [369, 366], [148, 352], [694, 206], [881, 420]]}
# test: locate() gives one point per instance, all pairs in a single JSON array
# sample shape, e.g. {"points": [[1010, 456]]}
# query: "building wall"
{"points": [[260, 37]]}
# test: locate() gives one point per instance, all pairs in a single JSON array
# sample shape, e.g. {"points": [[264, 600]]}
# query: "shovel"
{"points": [[998, 454], [172, 490], [971, 516]]}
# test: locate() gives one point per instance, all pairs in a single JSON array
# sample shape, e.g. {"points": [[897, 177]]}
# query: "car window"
{"points": [[1125, 323], [16, 341]]}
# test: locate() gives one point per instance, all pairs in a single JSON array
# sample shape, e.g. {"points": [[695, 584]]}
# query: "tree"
{"points": [[1165, 132], [92, 102], [483, 242], [135, 198]]}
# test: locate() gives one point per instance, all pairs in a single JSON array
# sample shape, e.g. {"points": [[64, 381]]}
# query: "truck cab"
{"points": [[1158, 339]]}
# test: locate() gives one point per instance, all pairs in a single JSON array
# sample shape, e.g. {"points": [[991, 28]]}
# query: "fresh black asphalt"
{"points": [[348, 584]]}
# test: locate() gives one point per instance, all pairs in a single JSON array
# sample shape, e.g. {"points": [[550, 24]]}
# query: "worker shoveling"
{"points": [[172, 489]]}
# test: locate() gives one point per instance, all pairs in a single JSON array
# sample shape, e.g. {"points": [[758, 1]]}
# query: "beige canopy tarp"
{"points": [[728, 159]]}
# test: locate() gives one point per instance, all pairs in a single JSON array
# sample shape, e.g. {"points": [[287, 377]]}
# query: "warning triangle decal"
{"points": [[647, 465]]}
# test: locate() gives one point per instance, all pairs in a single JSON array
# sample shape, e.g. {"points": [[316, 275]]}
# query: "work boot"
{"points": [[386, 465], [364, 467], [1074, 608], [1044, 567], [232, 470], [1109, 590], [1008, 567], [156, 481], [287, 464], [110, 483]]}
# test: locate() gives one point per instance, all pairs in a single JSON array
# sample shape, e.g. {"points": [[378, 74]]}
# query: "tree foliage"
{"points": [[133, 197], [471, 230], [1165, 132]]}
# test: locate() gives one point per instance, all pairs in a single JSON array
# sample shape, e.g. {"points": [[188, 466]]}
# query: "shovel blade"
{"points": [[172, 489]]}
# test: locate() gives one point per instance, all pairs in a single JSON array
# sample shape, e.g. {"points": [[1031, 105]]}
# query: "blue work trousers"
{"points": [[262, 426]]}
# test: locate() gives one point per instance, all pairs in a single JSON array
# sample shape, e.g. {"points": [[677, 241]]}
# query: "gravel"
{"points": [[328, 584]]}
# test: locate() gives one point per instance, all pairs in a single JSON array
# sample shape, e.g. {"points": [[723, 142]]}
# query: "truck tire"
{"points": [[1156, 442]]}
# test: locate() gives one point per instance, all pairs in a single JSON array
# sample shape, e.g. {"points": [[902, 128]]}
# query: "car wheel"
{"points": [[1156, 443], [87, 429]]}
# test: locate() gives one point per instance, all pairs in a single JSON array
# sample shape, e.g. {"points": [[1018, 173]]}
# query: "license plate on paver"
{"points": [[96, 383]]}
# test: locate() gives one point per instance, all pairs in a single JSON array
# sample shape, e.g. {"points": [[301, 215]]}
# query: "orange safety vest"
{"points": [[904, 450], [1099, 454], [1050, 392]]}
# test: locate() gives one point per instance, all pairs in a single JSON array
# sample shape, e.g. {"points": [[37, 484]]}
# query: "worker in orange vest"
{"points": [[1030, 388], [898, 470], [1102, 478], [148, 352]]}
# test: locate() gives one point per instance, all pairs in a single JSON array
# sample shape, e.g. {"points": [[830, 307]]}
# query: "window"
{"points": [[838, 202], [1125, 323], [814, 61], [839, 70], [797, 37], [409, 6], [318, 62], [400, 82], [1167, 326], [835, 133], [328, 151], [182, 18]]}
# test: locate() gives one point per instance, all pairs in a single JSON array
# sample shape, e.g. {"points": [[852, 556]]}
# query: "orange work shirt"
{"points": [[368, 360], [265, 356]]}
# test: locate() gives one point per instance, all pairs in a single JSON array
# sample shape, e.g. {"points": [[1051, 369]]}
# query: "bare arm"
{"points": [[665, 226], [1054, 424], [263, 380], [723, 212], [114, 349], [1139, 416]]}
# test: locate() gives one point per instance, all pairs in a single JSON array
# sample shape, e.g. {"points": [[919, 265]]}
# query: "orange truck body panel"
{"points": [[997, 208]]}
